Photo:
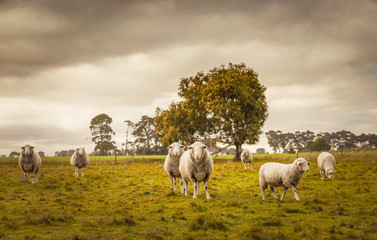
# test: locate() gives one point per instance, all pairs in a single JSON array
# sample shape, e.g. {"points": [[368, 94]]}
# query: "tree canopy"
{"points": [[227, 104], [102, 134]]}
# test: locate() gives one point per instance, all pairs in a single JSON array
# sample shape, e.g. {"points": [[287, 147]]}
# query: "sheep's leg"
{"points": [[295, 193], [36, 177], [195, 189], [206, 188], [274, 193], [76, 171], [284, 191], [32, 178], [263, 187], [171, 184], [245, 166], [28, 177], [82, 172], [198, 188], [182, 188], [251, 166], [322, 173], [186, 188], [175, 184]]}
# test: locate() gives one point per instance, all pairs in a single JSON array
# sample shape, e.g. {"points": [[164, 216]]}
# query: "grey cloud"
{"points": [[72, 32]]}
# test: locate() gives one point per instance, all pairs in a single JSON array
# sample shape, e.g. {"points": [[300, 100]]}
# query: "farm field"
{"points": [[132, 200]]}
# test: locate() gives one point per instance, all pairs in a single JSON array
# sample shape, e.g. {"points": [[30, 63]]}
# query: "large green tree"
{"points": [[227, 104], [102, 134]]}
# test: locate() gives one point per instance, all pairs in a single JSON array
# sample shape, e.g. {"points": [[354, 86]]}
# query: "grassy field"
{"points": [[132, 200]]}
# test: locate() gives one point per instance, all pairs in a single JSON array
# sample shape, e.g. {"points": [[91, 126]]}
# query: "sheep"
{"points": [[326, 164], [30, 162], [282, 175], [79, 160], [171, 165], [246, 157], [196, 166]]}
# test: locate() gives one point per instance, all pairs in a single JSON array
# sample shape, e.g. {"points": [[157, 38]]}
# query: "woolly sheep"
{"points": [[30, 163], [247, 158], [282, 175], [79, 160], [171, 165], [326, 164], [196, 166]]}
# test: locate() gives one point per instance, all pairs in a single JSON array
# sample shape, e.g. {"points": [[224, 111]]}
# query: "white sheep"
{"points": [[196, 166], [247, 158], [171, 165], [326, 164], [282, 175], [30, 163], [79, 160]]}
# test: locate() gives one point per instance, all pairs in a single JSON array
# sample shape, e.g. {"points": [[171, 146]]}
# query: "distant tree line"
{"points": [[141, 138], [64, 153], [303, 141]]}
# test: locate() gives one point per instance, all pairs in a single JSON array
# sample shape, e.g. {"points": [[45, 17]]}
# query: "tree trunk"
{"points": [[238, 152]]}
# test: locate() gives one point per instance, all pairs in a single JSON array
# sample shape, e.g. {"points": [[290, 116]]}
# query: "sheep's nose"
{"points": [[307, 170]]}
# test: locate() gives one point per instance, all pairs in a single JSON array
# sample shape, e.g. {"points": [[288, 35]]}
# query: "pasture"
{"points": [[132, 200]]}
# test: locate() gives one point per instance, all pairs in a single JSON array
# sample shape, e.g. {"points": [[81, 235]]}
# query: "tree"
{"points": [[176, 124], [227, 104], [102, 134], [129, 128], [146, 140], [320, 144]]}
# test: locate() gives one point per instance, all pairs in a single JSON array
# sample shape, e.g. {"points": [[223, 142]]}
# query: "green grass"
{"points": [[132, 200]]}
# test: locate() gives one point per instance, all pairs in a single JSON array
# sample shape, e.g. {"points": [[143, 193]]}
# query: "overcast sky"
{"points": [[64, 62]]}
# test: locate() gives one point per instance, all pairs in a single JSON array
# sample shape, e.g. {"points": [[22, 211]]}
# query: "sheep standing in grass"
{"points": [[326, 164], [30, 163], [171, 165], [282, 175], [79, 160], [196, 166], [247, 158]]}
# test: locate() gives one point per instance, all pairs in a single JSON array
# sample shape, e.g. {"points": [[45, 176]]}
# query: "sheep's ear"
{"points": [[182, 146], [169, 147], [204, 146], [77, 149], [23, 148], [190, 147], [31, 147]]}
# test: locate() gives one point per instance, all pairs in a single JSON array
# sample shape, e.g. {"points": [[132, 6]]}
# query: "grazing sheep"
{"points": [[196, 166], [79, 160], [171, 165], [247, 158], [326, 164], [282, 175], [30, 163]]}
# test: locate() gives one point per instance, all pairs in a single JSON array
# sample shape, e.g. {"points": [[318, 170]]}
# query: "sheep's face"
{"points": [[245, 153], [330, 174], [197, 151], [176, 149], [80, 151], [302, 165], [27, 150]]}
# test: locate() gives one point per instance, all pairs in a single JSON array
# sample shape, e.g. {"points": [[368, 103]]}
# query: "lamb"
{"points": [[326, 164], [246, 157], [171, 164], [196, 166], [79, 160], [282, 175], [30, 163]]}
